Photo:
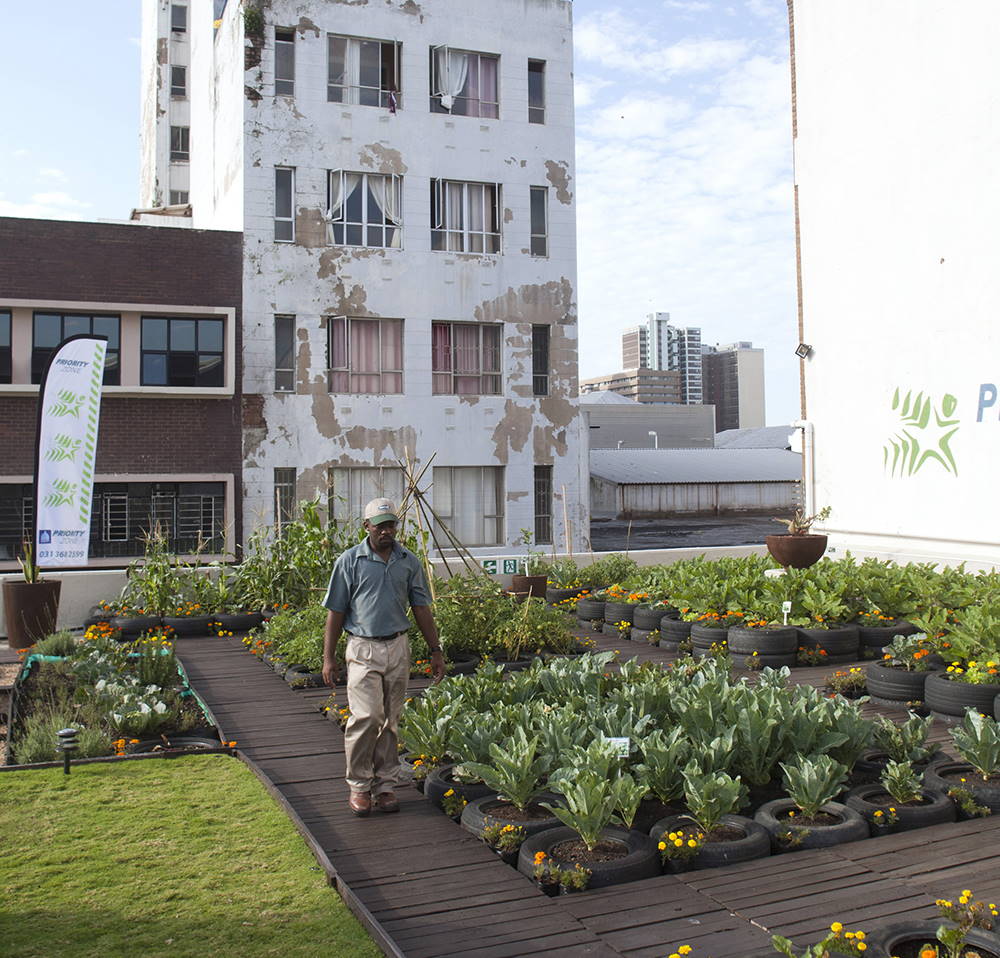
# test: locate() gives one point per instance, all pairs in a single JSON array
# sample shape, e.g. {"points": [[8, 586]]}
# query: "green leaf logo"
{"points": [[63, 493], [69, 404], [924, 434], [64, 448]]}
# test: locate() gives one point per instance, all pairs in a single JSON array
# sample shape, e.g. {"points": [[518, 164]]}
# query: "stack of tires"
{"points": [[763, 648]]}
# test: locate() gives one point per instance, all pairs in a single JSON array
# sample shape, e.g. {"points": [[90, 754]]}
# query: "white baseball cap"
{"points": [[381, 510]]}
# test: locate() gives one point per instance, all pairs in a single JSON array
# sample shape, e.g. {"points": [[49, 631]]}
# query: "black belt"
{"points": [[377, 638]]}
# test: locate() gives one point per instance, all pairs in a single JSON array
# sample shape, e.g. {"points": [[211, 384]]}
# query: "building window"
{"points": [[284, 61], [540, 360], [464, 83], [349, 488], [364, 72], [182, 352], [536, 91], [284, 204], [365, 209], [178, 17], [543, 505], [284, 496], [50, 329], [6, 358], [180, 143], [284, 354], [466, 359], [469, 500], [465, 217], [365, 355], [178, 197], [178, 81], [539, 221]]}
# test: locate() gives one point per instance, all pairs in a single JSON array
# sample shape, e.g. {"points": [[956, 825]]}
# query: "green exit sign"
{"points": [[502, 566]]}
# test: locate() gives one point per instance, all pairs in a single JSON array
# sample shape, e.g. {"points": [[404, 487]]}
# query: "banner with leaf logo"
{"points": [[69, 407]]}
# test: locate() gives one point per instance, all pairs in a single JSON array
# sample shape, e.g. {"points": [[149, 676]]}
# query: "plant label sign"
{"points": [[622, 743]]}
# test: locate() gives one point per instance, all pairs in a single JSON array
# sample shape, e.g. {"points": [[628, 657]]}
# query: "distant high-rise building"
{"points": [[658, 345], [734, 384], [642, 385]]}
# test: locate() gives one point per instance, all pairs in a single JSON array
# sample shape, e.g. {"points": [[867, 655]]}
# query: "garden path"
{"points": [[424, 888]]}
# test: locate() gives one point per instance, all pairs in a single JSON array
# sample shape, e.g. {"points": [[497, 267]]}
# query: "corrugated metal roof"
{"points": [[695, 465], [765, 437]]}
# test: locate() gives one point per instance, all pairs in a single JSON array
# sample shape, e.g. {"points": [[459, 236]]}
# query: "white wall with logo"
{"points": [[897, 114]]}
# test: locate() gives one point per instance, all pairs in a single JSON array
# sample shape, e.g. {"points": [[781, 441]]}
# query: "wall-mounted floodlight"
{"points": [[803, 350]]}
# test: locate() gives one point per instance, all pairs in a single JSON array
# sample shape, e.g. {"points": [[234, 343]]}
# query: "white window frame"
{"points": [[173, 27], [286, 383], [454, 374], [180, 155], [347, 490], [436, 87], [352, 86], [288, 219], [174, 86], [288, 90], [108, 529], [382, 371], [461, 240], [537, 109], [544, 235], [395, 183], [446, 507], [175, 197]]}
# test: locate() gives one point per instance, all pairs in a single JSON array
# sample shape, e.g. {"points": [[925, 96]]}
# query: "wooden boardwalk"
{"points": [[424, 888]]}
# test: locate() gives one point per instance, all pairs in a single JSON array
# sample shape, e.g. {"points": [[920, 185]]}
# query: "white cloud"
{"points": [[586, 89], [688, 7], [51, 173], [47, 206], [59, 199]]}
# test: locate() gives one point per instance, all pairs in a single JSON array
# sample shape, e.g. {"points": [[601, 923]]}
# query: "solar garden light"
{"points": [[67, 743]]}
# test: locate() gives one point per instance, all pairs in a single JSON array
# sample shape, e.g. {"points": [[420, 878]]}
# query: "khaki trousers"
{"points": [[377, 673]]}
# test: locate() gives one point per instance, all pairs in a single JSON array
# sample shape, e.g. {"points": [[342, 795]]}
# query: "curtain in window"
{"points": [[467, 380], [452, 70], [342, 185], [392, 355], [467, 505], [488, 87], [441, 357], [387, 193], [344, 70], [476, 222], [454, 199], [365, 356], [338, 355]]}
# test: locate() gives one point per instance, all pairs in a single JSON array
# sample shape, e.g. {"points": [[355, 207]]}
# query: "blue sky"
{"points": [[684, 167]]}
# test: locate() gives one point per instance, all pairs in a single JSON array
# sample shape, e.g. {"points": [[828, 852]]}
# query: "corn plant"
{"points": [[590, 805], [812, 782], [515, 770], [906, 742], [901, 782], [977, 740], [709, 796]]}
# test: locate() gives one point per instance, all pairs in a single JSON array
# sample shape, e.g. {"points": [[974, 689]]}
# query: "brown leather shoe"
{"points": [[386, 802], [360, 803]]}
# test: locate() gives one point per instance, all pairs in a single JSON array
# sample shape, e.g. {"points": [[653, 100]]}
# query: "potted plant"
{"points": [[809, 818], [900, 796], [535, 577], [903, 742], [902, 673], [972, 680], [798, 548], [31, 605], [977, 741]]}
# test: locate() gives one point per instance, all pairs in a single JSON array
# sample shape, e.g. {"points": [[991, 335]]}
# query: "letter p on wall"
{"points": [[987, 398]]}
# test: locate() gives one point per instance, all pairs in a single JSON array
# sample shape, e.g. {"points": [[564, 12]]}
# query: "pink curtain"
{"points": [[467, 359], [441, 357], [365, 365], [392, 355]]}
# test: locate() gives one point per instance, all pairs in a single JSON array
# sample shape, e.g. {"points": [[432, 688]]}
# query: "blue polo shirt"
{"points": [[375, 595]]}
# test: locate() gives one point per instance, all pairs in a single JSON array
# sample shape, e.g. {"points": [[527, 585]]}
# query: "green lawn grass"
{"points": [[186, 856]]}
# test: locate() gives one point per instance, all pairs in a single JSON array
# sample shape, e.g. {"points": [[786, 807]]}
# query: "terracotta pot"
{"points": [[799, 552], [530, 584], [30, 610]]}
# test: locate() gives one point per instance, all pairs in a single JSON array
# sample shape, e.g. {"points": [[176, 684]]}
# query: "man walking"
{"points": [[371, 587]]}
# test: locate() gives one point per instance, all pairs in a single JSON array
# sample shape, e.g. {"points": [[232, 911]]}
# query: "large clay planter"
{"points": [[799, 552], [30, 610], [529, 585]]}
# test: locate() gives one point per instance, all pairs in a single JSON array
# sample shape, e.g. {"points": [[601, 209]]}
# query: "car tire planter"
{"points": [[591, 625], [642, 859], [756, 842], [783, 641], [879, 636], [673, 632], [555, 596], [943, 776], [910, 935], [996, 708], [462, 663], [619, 611], [134, 625], [641, 635], [893, 686], [238, 621], [611, 628], [839, 643], [937, 809], [870, 766], [646, 618], [440, 780], [300, 677], [850, 828], [477, 815], [188, 625], [765, 661], [589, 609], [174, 743], [948, 697]]}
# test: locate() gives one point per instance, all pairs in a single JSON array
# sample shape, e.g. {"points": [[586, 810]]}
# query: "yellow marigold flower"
{"points": [[684, 950], [672, 836], [450, 791], [861, 946], [679, 842], [966, 892], [849, 934], [836, 927], [860, 935], [662, 846], [539, 857], [692, 843]]}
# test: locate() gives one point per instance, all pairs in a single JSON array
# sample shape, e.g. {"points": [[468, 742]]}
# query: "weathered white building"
{"points": [[403, 175], [898, 200]]}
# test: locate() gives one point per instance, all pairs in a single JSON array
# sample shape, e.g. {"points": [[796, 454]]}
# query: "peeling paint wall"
{"points": [[313, 429]]}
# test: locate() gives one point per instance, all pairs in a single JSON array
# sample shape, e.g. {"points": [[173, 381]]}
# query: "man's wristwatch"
{"points": [[437, 652]]}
